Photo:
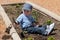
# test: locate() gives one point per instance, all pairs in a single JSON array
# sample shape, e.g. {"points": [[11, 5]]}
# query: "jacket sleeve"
{"points": [[19, 19]]}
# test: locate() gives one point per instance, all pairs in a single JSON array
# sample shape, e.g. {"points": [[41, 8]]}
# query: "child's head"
{"points": [[27, 9]]}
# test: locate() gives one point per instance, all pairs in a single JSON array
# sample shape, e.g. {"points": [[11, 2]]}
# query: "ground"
{"points": [[14, 10], [2, 28], [3, 34]]}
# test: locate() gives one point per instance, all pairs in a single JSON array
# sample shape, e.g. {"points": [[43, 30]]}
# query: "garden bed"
{"points": [[14, 10]]}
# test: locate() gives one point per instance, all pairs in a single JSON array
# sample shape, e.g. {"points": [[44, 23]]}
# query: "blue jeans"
{"points": [[40, 30]]}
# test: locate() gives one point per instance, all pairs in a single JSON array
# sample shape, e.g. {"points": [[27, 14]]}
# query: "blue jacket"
{"points": [[25, 21]]}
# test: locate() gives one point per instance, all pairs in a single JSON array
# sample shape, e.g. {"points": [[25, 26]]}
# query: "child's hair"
{"points": [[21, 12]]}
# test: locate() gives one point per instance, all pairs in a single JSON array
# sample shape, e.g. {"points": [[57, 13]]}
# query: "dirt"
{"points": [[2, 28], [3, 34], [10, 1], [14, 10]]}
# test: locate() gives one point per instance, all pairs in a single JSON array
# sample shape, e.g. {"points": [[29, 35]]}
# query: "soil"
{"points": [[14, 10], [3, 34]]}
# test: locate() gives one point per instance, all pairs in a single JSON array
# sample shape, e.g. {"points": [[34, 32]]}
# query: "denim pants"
{"points": [[40, 30]]}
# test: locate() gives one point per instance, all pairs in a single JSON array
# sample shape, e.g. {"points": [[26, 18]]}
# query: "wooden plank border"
{"points": [[8, 23]]}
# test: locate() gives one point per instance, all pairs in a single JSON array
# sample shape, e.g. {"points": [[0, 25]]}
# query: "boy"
{"points": [[28, 23]]}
